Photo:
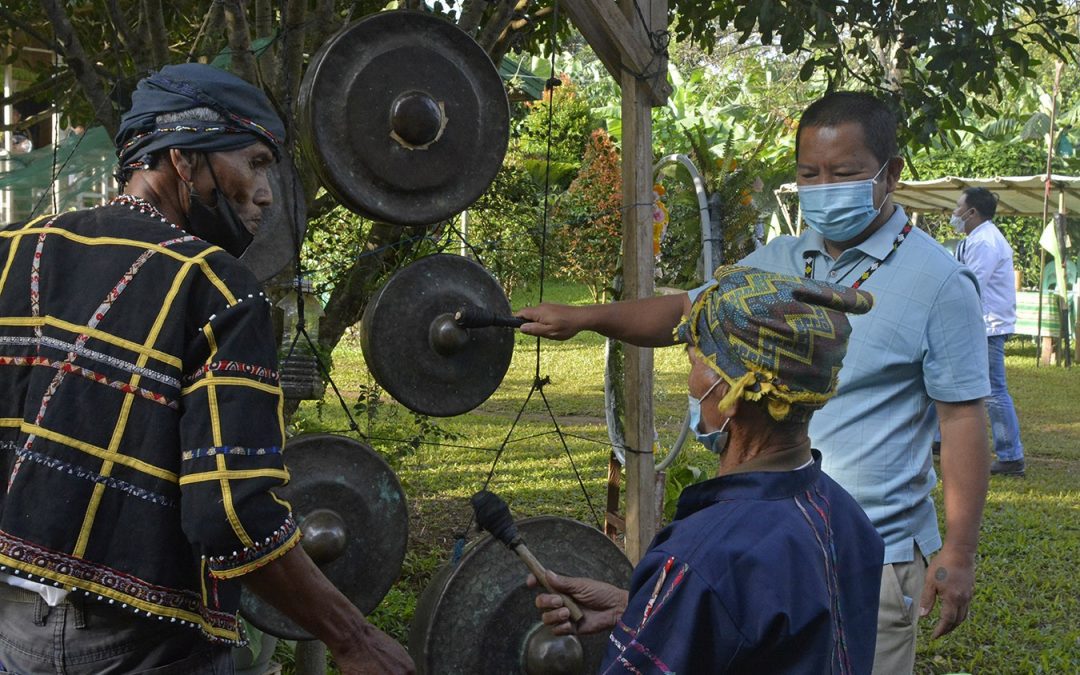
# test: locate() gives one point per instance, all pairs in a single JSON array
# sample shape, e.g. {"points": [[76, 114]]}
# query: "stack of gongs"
{"points": [[406, 121]]}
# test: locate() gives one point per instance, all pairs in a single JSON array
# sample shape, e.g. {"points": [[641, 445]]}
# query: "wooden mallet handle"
{"points": [[493, 515], [540, 573]]}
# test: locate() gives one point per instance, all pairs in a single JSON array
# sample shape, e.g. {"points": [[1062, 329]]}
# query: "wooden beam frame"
{"points": [[621, 42]]}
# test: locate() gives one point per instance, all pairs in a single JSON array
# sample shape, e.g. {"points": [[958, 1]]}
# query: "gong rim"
{"points": [[283, 226], [350, 478], [395, 341], [490, 579], [344, 108]]}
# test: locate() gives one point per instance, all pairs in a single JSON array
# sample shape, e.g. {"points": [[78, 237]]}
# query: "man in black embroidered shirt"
{"points": [[140, 411]]}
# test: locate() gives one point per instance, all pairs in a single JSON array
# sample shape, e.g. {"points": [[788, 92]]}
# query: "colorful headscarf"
{"points": [[248, 115], [773, 337]]}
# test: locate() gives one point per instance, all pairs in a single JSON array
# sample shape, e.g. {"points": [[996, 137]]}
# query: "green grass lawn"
{"points": [[1024, 615]]}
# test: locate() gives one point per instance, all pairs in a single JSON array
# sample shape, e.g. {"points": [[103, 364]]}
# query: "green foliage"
{"points": [[937, 61], [571, 123], [504, 226], [590, 218], [680, 475]]}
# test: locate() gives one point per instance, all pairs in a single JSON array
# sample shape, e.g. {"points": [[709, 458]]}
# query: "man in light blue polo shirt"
{"points": [[921, 344]]}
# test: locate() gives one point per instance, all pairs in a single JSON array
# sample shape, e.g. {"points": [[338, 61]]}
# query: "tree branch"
{"points": [[213, 24], [243, 61], [350, 297], [159, 35], [471, 15], [128, 38], [497, 24], [325, 25], [75, 56], [55, 81], [292, 58], [15, 21], [264, 18]]}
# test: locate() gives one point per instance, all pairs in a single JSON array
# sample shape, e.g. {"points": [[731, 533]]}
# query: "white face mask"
{"points": [[958, 224]]}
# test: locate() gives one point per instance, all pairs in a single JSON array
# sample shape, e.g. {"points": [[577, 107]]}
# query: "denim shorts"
{"points": [[89, 637]]}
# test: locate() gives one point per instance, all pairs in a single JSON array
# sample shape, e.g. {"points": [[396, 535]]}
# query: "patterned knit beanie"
{"points": [[773, 337]]}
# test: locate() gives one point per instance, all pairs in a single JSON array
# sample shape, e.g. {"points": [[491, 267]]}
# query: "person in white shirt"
{"points": [[986, 252]]}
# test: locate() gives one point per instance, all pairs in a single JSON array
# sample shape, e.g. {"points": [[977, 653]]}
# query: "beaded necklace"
{"points": [[809, 260], [141, 205]]}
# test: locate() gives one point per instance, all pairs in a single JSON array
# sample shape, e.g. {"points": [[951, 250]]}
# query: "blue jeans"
{"points": [[1004, 427], [84, 637]]}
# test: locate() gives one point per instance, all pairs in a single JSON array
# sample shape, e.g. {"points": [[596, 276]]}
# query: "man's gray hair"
{"points": [[202, 114]]}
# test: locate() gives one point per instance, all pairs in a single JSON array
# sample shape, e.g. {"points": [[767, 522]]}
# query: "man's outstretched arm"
{"points": [[648, 322]]}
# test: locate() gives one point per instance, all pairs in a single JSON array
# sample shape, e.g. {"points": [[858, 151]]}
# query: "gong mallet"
{"points": [[493, 515], [471, 316]]}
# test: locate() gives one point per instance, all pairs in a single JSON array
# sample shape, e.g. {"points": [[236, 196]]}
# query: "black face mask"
{"points": [[217, 224]]}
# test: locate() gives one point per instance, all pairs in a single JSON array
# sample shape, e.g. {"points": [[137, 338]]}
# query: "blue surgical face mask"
{"points": [[715, 441], [840, 211]]}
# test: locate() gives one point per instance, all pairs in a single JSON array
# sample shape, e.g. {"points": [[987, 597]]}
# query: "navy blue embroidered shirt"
{"points": [[140, 416], [761, 572]]}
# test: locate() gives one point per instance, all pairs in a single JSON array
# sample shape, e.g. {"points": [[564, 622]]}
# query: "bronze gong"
{"points": [[355, 523], [416, 343], [406, 117], [283, 225], [478, 616]]}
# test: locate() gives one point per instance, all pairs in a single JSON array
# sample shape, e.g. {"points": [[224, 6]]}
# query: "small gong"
{"points": [[283, 225], [419, 353], [478, 616], [406, 117], [355, 523]]}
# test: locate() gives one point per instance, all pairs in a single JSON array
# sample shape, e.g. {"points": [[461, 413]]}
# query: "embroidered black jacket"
{"points": [[140, 416]]}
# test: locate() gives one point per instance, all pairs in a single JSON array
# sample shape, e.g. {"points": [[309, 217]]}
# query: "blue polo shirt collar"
{"points": [[877, 246]]}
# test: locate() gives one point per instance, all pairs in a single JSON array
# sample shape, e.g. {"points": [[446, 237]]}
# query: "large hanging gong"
{"points": [[283, 225], [416, 350], [406, 117], [479, 616], [355, 523]]}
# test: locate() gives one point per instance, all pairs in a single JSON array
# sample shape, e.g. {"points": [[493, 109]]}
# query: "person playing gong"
{"points": [[141, 430], [770, 567]]}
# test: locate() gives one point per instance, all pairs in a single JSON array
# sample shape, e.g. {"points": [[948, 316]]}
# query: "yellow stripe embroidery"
{"points": [[100, 453], [212, 382], [233, 474], [227, 502], [111, 339]]}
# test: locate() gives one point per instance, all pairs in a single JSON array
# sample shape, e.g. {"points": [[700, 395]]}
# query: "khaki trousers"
{"points": [[898, 616]]}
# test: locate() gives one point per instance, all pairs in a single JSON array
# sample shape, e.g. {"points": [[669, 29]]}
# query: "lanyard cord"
{"points": [[808, 271]]}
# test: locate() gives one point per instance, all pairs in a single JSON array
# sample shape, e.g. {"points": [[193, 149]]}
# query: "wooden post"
{"points": [[623, 45], [638, 267]]}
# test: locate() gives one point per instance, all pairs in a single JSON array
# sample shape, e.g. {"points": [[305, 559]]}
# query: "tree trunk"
{"points": [[497, 24], [159, 35], [326, 23], [76, 58], [212, 26], [471, 15], [129, 38], [236, 26], [267, 61], [350, 297], [294, 13]]}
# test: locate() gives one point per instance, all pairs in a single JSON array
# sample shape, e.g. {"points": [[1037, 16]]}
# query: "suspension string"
{"points": [[562, 439], [552, 82]]}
